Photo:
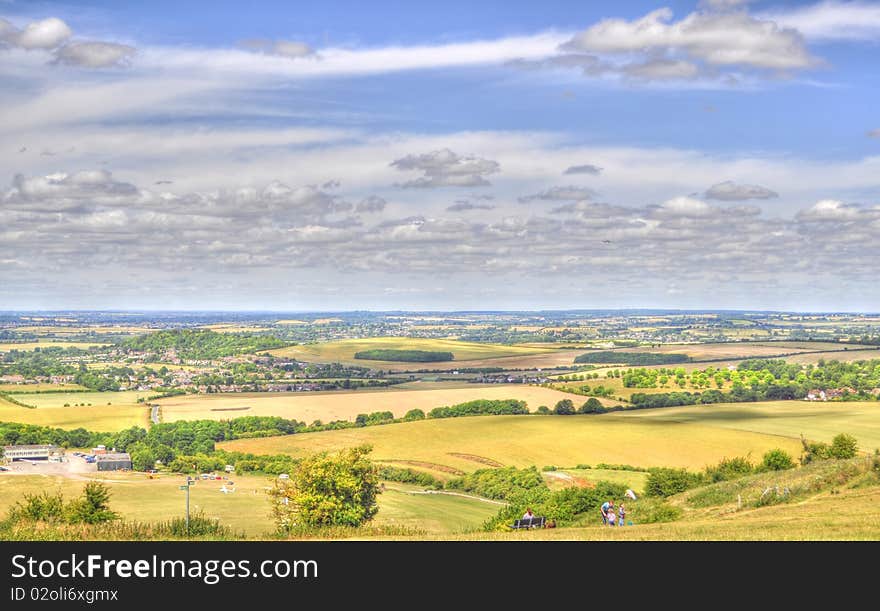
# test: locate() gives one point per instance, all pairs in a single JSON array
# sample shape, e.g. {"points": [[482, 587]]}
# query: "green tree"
{"points": [[564, 407], [844, 446], [142, 458], [93, 506], [414, 414], [592, 406], [777, 460], [326, 490]]}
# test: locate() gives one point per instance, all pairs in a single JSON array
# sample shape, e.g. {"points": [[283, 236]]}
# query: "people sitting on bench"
{"points": [[529, 520]]}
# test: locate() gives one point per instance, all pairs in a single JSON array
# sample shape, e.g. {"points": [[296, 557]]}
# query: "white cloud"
{"points": [[282, 48], [444, 168], [731, 191], [46, 34], [718, 39], [831, 20], [95, 54], [831, 210]]}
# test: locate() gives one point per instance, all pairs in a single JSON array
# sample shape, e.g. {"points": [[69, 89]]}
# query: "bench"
{"points": [[536, 522]]}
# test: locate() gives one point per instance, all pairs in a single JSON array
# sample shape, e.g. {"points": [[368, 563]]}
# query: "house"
{"points": [[816, 395], [29, 452], [12, 379], [114, 461]]}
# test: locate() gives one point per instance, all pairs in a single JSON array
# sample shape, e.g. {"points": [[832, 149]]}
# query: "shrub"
{"points": [[651, 511], [543, 410], [549, 468], [777, 460], [592, 406], [414, 414], [664, 481], [93, 506], [564, 407], [729, 468], [39, 507], [844, 446]]}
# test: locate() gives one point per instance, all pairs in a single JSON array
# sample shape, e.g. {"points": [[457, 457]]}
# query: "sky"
{"points": [[720, 154]]}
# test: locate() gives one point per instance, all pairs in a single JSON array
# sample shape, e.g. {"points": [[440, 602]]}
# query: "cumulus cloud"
{"points": [[587, 168], [713, 38], [45, 34], [66, 191], [731, 191], [53, 35], [445, 168], [837, 211], [560, 194], [95, 54]]}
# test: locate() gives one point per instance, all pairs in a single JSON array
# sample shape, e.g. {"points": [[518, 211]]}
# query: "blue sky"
{"points": [[305, 155]]}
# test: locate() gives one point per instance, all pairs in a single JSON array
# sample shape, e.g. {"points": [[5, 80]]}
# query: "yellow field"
{"points": [[58, 399], [737, 350], [28, 346], [439, 445], [104, 418], [818, 421], [29, 388], [327, 406]]}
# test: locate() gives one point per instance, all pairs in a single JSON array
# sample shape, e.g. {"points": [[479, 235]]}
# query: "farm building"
{"points": [[114, 462], [28, 452]]}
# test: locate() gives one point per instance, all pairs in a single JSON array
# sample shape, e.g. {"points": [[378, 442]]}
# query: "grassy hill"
{"points": [[464, 444]]}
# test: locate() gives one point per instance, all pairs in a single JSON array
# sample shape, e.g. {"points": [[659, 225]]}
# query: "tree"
{"points": [[543, 410], [592, 406], [777, 460], [142, 458], [844, 446], [414, 414], [327, 490], [93, 506], [564, 407]]}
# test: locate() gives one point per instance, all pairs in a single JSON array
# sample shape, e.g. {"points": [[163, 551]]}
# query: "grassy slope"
{"points": [[535, 440], [54, 400], [327, 406], [247, 510], [817, 421]]}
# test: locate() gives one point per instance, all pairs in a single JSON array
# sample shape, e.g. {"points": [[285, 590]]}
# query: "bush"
{"points": [[777, 460], [543, 410], [42, 507], [592, 406], [549, 468], [564, 407], [495, 407], [410, 476], [844, 446], [93, 506], [651, 511], [414, 414], [665, 482], [729, 468], [407, 356]]}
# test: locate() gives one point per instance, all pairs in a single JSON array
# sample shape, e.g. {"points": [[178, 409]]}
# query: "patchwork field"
{"points": [[107, 418], [327, 406], [447, 446], [817, 421], [247, 509]]}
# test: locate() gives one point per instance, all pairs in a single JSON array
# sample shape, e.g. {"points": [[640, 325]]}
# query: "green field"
{"points": [[818, 421], [343, 351], [463, 444], [247, 509], [335, 405]]}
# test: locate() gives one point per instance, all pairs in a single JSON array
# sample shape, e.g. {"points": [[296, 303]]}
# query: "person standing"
{"points": [[621, 515], [607, 506]]}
